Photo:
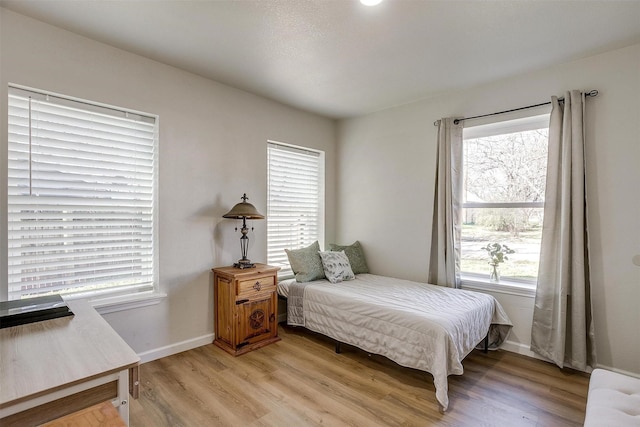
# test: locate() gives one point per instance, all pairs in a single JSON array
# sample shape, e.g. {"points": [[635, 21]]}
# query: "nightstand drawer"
{"points": [[256, 286]]}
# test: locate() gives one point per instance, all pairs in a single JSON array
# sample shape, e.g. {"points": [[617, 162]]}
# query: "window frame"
{"points": [[536, 118], [285, 271], [108, 299]]}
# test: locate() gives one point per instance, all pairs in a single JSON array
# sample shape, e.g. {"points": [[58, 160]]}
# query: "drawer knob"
{"points": [[257, 286]]}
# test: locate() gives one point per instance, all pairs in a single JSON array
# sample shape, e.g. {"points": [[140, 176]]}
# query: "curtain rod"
{"points": [[456, 121]]}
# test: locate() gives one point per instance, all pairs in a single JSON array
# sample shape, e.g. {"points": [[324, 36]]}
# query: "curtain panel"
{"points": [[444, 261], [562, 328]]}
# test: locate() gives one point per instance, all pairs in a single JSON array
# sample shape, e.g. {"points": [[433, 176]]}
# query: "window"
{"points": [[81, 197], [505, 167], [295, 203]]}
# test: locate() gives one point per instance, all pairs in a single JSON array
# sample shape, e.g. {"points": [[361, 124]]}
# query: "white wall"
{"points": [[386, 171], [212, 149]]}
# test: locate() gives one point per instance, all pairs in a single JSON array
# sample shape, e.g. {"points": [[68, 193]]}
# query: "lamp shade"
{"points": [[244, 209]]}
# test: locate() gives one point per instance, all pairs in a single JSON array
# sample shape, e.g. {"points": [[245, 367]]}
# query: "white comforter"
{"points": [[421, 326]]}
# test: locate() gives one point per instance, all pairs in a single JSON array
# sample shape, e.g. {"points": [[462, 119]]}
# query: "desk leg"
{"points": [[122, 400], [134, 381]]}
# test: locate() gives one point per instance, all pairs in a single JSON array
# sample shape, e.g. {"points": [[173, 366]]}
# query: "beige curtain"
{"points": [[562, 325], [445, 234]]}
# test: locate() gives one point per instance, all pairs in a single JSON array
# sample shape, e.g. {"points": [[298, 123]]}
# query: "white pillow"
{"points": [[336, 266]]}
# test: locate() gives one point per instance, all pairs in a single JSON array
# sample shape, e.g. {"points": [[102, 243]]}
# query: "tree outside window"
{"points": [[503, 196]]}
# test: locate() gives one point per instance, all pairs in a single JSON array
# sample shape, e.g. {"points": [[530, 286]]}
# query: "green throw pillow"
{"points": [[355, 254], [306, 263]]}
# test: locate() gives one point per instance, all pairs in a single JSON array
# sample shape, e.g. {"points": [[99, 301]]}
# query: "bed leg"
{"points": [[338, 347], [486, 343]]}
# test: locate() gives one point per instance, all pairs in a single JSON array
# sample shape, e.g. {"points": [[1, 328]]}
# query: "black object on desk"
{"points": [[29, 310]]}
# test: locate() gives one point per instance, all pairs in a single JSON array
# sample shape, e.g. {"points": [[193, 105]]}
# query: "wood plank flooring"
{"points": [[301, 381]]}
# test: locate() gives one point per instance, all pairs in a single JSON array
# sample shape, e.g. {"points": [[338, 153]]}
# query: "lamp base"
{"points": [[244, 263]]}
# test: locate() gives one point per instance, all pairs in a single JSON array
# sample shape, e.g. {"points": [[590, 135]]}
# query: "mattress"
{"points": [[417, 325]]}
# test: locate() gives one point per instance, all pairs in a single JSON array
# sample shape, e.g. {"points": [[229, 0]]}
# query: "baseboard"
{"points": [[516, 347], [619, 371], [158, 353], [519, 348]]}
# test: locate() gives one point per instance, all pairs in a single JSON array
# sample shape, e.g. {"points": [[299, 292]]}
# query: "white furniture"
{"points": [[613, 400], [55, 367]]}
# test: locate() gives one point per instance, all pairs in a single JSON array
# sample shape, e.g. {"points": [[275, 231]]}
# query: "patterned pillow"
{"points": [[306, 263], [336, 266], [356, 256]]}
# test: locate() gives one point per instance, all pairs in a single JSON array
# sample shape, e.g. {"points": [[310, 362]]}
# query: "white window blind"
{"points": [[295, 206], [81, 184]]}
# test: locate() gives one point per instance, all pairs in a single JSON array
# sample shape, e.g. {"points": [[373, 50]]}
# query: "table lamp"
{"points": [[244, 211]]}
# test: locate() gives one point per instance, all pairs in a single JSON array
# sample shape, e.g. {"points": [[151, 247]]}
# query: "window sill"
{"points": [[111, 304], [505, 286]]}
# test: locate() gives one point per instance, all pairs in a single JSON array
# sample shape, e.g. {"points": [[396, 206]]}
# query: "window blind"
{"points": [[81, 184], [295, 206]]}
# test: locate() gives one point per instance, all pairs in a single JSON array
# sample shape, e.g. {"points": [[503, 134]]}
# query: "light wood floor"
{"points": [[301, 381]]}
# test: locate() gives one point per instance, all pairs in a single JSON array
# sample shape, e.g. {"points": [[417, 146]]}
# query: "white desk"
{"points": [[55, 367]]}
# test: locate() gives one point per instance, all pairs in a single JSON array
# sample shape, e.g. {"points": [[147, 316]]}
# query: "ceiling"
{"points": [[339, 58]]}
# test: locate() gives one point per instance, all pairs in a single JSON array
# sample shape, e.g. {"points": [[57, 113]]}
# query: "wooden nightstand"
{"points": [[245, 307]]}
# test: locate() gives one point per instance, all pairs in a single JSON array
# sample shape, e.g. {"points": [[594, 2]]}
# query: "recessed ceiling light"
{"points": [[370, 2]]}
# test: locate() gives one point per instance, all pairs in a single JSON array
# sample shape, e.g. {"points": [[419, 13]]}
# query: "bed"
{"points": [[421, 326]]}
